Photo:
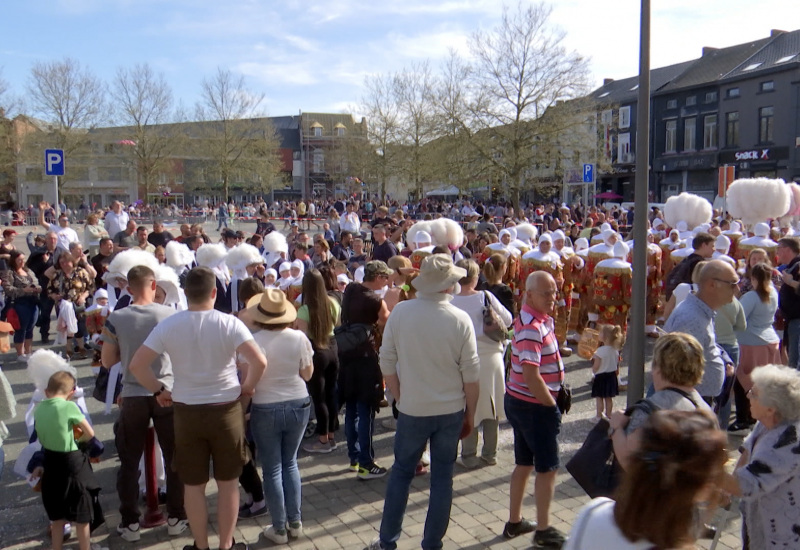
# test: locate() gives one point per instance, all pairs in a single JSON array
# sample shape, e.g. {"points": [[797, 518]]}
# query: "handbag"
{"points": [[594, 466], [12, 318], [492, 325], [351, 336], [101, 385], [564, 398]]}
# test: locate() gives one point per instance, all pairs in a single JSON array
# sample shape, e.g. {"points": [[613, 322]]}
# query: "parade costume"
{"points": [[597, 253], [612, 288]]}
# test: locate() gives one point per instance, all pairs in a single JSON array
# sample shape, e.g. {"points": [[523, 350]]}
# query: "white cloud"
{"points": [[276, 74]]}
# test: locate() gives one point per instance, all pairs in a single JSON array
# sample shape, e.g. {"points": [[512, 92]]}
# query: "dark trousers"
{"points": [[322, 388], [134, 418], [742, 404], [45, 311], [250, 480]]}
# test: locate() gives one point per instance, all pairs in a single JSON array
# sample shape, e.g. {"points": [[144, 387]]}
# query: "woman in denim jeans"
{"points": [[22, 288], [281, 407]]}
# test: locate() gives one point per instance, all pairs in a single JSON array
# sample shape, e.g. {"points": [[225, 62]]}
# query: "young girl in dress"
{"points": [[605, 363]]}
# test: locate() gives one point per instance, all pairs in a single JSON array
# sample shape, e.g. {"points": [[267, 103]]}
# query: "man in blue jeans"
{"points": [[789, 295], [430, 363]]}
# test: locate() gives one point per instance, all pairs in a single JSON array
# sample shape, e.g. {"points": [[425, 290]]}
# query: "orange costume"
{"points": [[612, 288]]}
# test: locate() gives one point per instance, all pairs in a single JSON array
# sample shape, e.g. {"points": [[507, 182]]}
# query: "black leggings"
{"points": [[322, 388], [742, 404], [249, 479]]}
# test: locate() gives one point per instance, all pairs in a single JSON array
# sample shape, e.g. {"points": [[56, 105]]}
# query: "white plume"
{"points": [[167, 279], [276, 242], [416, 228], [211, 255], [178, 254], [447, 232], [43, 364], [794, 205], [126, 260], [526, 232], [758, 199], [689, 208], [242, 255]]}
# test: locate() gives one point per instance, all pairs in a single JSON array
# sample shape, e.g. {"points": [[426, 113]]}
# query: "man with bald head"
{"points": [[534, 381], [717, 283]]}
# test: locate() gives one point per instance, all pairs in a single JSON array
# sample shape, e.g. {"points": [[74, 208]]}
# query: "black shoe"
{"points": [[46, 341], [549, 538], [237, 546], [708, 532], [162, 496], [740, 427], [193, 546], [246, 512], [521, 527]]}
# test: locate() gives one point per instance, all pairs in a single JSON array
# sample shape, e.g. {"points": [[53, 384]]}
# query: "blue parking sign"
{"points": [[588, 173], [54, 162]]}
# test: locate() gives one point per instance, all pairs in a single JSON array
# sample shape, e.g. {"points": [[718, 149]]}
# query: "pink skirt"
{"points": [[752, 357]]}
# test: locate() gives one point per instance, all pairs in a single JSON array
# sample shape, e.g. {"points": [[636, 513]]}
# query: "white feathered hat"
{"points": [[411, 235], [526, 232], [274, 244], [43, 364], [757, 200], [242, 255], [125, 261], [178, 255], [167, 279], [447, 232], [687, 207], [211, 255]]}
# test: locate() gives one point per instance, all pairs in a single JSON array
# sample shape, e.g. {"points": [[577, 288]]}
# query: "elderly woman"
{"points": [[489, 410], [767, 476], [680, 459], [74, 285], [677, 368], [93, 231]]}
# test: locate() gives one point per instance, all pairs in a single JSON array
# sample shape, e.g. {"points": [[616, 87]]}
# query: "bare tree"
{"points": [[145, 108], [238, 144], [71, 99], [521, 72], [384, 125]]}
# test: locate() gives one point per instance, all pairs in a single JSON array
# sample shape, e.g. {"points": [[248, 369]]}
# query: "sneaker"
{"points": [[131, 532], [374, 545], [332, 443], [311, 430], [238, 546], [490, 460], [317, 447], [275, 535], [512, 530], [740, 427], [22, 358], [372, 472], [176, 526], [192, 546], [549, 538], [95, 546], [353, 466], [426, 458], [468, 462], [255, 510], [295, 529]]}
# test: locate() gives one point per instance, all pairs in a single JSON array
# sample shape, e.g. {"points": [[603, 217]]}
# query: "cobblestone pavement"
{"points": [[339, 511]]}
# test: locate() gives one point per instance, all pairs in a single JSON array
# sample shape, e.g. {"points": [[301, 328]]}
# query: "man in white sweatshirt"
{"points": [[430, 363]]}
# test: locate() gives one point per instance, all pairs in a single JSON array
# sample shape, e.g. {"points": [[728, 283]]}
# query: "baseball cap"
{"points": [[375, 268]]}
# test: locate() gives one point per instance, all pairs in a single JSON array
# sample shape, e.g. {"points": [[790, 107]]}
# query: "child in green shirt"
{"points": [[66, 473]]}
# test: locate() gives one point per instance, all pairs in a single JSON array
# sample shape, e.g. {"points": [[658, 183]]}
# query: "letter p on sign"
{"points": [[54, 162]]}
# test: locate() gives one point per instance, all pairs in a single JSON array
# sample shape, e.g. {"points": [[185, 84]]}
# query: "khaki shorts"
{"points": [[206, 433]]}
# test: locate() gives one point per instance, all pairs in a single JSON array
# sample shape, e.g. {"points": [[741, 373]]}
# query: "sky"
{"points": [[313, 55]]}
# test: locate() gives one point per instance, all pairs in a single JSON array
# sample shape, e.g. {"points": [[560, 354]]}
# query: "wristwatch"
{"points": [[159, 392]]}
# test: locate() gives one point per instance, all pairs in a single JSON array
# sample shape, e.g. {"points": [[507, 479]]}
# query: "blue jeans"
{"points": [[278, 430], [359, 423], [413, 433], [28, 313], [791, 339], [223, 220]]}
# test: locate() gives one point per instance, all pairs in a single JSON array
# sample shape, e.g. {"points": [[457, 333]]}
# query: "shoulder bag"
{"points": [[492, 325]]}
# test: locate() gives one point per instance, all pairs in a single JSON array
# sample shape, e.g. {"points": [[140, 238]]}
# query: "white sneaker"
{"points": [[278, 537], [131, 532], [176, 526], [96, 546], [296, 529], [375, 545], [426, 458]]}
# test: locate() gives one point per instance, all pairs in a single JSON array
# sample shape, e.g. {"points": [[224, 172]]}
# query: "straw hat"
{"points": [[438, 273], [271, 308]]}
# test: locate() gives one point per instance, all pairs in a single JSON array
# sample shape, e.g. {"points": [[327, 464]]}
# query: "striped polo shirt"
{"points": [[534, 345]]}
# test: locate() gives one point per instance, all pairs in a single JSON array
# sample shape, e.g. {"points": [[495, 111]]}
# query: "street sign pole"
{"points": [[55, 192]]}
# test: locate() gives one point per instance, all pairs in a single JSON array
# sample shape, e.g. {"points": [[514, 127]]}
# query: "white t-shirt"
{"points": [[65, 236], [114, 223], [287, 351], [595, 529], [202, 347], [682, 291], [609, 359], [474, 305]]}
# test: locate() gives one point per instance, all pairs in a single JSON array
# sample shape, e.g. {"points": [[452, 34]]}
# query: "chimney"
{"points": [[776, 32], [708, 49], [607, 81]]}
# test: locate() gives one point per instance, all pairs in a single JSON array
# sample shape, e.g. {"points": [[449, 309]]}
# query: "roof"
{"points": [[329, 121], [627, 90], [715, 64], [782, 49]]}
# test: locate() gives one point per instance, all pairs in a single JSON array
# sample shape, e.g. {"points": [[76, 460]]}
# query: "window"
{"points": [[671, 136], [672, 104], [691, 100], [733, 92], [635, 88], [110, 173], [767, 86], [604, 94], [786, 59], [109, 148], [710, 132], [340, 132], [765, 115], [318, 131], [732, 129], [33, 174], [606, 117], [625, 117], [690, 134], [711, 97], [319, 160], [753, 66], [624, 148]]}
